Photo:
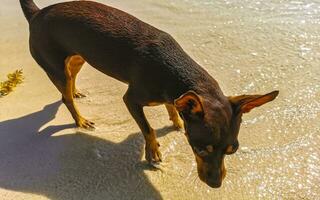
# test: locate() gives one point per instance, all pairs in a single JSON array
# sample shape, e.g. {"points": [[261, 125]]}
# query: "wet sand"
{"points": [[247, 46]]}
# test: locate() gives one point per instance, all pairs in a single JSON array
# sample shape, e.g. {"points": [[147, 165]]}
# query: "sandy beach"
{"points": [[248, 46]]}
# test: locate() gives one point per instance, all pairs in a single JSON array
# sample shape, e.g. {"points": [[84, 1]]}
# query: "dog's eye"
{"points": [[209, 148], [231, 149], [201, 153]]}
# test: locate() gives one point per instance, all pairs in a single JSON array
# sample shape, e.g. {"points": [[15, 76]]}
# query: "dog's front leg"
{"points": [[152, 153]]}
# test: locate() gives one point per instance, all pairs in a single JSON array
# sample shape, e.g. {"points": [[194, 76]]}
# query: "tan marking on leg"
{"points": [[153, 154], [72, 64], [174, 116], [76, 62]]}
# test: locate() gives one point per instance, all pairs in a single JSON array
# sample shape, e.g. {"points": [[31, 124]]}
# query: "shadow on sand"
{"points": [[71, 166]]}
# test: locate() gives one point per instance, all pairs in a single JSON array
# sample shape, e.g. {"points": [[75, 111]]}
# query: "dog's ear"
{"points": [[189, 103], [245, 103]]}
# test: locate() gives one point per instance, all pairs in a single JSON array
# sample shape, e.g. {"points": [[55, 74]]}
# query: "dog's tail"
{"points": [[29, 8]]}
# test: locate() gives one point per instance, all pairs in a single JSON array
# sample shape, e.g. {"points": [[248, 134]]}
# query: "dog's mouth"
{"points": [[212, 178], [213, 183]]}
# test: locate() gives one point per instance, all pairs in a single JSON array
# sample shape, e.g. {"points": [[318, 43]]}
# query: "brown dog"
{"points": [[151, 62]]}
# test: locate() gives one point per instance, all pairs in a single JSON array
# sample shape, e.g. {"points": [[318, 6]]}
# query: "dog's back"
{"points": [[102, 35], [111, 40]]}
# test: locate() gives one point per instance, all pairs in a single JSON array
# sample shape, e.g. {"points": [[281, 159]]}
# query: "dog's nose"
{"points": [[214, 179], [214, 183]]}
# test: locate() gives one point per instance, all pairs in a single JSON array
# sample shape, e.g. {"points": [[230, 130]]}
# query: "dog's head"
{"points": [[212, 127]]}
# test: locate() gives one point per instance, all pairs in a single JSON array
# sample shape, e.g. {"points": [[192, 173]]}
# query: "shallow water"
{"points": [[249, 46]]}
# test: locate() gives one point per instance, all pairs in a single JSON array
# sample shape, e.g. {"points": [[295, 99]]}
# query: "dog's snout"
{"points": [[214, 178], [214, 184]]}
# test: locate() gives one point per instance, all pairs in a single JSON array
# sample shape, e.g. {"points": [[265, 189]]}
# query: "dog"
{"points": [[157, 70]]}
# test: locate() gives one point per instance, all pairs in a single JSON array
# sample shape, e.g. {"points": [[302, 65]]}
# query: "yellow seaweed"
{"points": [[14, 79]]}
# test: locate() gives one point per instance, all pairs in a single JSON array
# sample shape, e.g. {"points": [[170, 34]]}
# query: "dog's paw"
{"points": [[84, 123], [153, 155], [177, 123]]}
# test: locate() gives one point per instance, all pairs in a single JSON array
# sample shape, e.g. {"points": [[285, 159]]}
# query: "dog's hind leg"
{"points": [[76, 64], [62, 70], [71, 63]]}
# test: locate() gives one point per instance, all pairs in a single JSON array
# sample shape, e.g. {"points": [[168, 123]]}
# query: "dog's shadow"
{"points": [[71, 166]]}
